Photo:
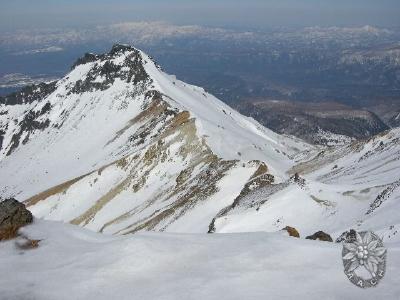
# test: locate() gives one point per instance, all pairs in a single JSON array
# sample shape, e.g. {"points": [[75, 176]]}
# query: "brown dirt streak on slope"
{"points": [[52, 191], [156, 108], [187, 132], [179, 207], [88, 215], [261, 170]]}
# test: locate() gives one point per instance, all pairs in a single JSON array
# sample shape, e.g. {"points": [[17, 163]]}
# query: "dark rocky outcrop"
{"points": [[260, 180], [91, 57], [292, 231], [383, 196], [87, 58], [321, 236], [28, 125], [298, 180], [104, 72], [30, 93], [13, 215], [117, 48], [2, 133], [100, 77]]}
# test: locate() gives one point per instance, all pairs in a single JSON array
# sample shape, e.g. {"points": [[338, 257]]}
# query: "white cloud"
{"points": [[41, 50], [132, 32], [144, 33]]}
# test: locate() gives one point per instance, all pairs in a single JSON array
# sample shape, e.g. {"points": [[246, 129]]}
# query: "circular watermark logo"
{"points": [[364, 258]]}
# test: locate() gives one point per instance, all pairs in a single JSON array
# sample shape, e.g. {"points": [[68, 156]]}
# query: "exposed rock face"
{"points": [[106, 70], [383, 196], [27, 125], [88, 57], [91, 57], [320, 235], [292, 231], [259, 180], [30, 93], [13, 215], [298, 180]]}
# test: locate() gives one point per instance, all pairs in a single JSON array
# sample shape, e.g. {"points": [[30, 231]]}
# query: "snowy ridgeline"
{"points": [[74, 263]]}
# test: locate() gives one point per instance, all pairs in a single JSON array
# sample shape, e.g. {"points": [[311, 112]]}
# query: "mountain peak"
{"points": [[136, 136], [121, 62], [116, 50]]}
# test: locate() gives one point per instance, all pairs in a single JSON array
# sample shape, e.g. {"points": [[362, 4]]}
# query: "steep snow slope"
{"points": [[73, 263], [119, 146], [356, 186]]}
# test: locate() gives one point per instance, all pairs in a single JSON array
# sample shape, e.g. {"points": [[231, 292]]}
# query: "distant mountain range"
{"points": [[318, 123]]}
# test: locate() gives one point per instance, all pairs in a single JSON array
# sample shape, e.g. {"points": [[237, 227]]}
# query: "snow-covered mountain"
{"points": [[354, 186], [119, 146]]}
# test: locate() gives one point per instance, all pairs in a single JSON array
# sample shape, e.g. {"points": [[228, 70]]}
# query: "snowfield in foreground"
{"points": [[74, 263]]}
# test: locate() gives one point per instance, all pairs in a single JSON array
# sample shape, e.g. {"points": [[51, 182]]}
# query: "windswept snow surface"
{"points": [[73, 263]]}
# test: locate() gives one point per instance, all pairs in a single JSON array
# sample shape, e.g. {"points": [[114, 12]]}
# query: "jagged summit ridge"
{"points": [[122, 62], [91, 57]]}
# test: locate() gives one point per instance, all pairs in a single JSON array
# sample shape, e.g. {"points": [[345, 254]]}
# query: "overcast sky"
{"points": [[17, 14]]}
